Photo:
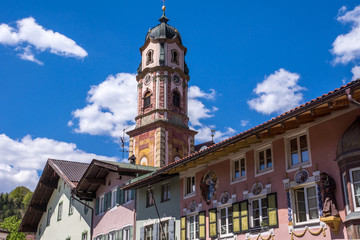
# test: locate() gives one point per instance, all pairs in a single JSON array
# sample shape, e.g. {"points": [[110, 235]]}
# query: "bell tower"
{"points": [[162, 133]]}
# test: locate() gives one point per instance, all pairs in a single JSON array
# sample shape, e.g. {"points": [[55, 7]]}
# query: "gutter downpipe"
{"points": [[350, 98], [92, 214]]}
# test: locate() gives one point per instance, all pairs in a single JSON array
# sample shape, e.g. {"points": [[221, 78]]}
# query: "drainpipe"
{"points": [[350, 98], [92, 214]]}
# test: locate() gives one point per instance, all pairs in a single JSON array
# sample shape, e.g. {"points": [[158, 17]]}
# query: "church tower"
{"points": [[162, 133]]}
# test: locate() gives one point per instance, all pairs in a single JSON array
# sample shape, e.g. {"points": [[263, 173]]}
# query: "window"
{"points": [[346, 194], [126, 234], [176, 99], [238, 169], [175, 56], [48, 217], [102, 204], [299, 152], [149, 198], [112, 235], [84, 236], [226, 220], [113, 198], [100, 237], [306, 208], [164, 231], [149, 57], [71, 206], [190, 185], [165, 192], [264, 160], [259, 213], [149, 232], [60, 211], [147, 99], [355, 187], [129, 195], [193, 226]]}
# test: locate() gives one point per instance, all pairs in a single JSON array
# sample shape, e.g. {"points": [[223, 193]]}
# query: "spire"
{"points": [[163, 17]]}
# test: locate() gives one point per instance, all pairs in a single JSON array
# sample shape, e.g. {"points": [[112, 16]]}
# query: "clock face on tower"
{"points": [[176, 79], [147, 80]]}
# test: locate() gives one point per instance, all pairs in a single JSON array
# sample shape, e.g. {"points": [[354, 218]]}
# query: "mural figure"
{"points": [[208, 186], [328, 195]]}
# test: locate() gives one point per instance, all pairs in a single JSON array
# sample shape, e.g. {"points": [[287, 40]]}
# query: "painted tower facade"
{"points": [[162, 134]]}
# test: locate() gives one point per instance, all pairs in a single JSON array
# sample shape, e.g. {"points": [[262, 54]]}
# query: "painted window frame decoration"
{"points": [[301, 153], [238, 169], [355, 192]]}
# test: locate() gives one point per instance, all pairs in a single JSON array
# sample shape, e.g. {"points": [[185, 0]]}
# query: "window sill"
{"points": [[297, 166], [264, 171], [165, 200], [238, 180], [189, 195], [224, 236]]}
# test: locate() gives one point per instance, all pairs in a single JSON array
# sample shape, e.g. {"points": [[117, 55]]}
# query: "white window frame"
{"points": [[297, 135], [151, 237], [192, 187], [101, 204], [228, 233], [251, 208], [126, 233], [127, 196], [352, 188], [112, 235], [346, 193], [294, 205], [266, 170], [232, 169], [196, 225], [165, 230], [84, 234], [113, 198]]}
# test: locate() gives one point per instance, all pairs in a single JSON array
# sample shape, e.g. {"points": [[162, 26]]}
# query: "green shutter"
{"points": [[120, 234], [202, 225], [131, 232], [97, 207], [118, 196], [272, 209], [236, 218], [244, 216], [133, 193], [213, 223], [109, 199], [105, 202], [183, 227]]}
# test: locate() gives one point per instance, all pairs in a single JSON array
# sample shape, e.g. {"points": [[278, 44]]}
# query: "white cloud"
{"points": [[346, 47], [244, 123], [356, 72], [204, 134], [21, 159], [278, 92], [112, 107], [29, 35]]}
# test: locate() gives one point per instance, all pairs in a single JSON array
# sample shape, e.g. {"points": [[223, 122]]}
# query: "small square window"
{"points": [[264, 161], [60, 211], [190, 185], [298, 150], [238, 169], [165, 192]]}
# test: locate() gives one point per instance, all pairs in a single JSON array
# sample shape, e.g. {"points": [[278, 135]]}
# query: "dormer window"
{"points": [[176, 99], [149, 57], [147, 99], [175, 56]]}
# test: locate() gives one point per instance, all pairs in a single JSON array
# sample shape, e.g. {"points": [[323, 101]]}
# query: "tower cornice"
{"points": [[162, 68]]}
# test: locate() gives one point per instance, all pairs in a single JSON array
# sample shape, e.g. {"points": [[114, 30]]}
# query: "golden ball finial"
{"points": [[163, 8]]}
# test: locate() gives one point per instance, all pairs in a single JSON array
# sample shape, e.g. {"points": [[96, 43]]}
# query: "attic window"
{"points": [[147, 99], [149, 57], [175, 56]]}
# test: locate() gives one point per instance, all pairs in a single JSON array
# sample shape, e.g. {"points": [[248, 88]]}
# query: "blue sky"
{"points": [[67, 67]]}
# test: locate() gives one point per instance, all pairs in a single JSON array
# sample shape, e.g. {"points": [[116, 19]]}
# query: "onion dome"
{"points": [[350, 141], [163, 30]]}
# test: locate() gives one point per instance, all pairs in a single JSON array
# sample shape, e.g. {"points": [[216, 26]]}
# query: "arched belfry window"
{"points": [[176, 99], [175, 56], [149, 57], [147, 99]]}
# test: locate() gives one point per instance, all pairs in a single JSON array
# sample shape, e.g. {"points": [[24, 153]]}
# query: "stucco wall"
{"points": [[70, 225], [323, 136], [147, 215], [118, 217]]}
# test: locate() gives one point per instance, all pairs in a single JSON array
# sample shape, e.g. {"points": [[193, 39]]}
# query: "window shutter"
{"points": [[133, 193], [236, 218], [213, 223], [121, 197], [156, 231], [105, 202], [171, 229], [118, 196], [244, 216], [142, 233], [272, 209], [109, 200], [131, 232], [183, 227], [97, 207], [106, 237], [120, 234], [202, 225]]}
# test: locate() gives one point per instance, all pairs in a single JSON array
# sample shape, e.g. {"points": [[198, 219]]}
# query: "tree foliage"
{"points": [[15, 203], [12, 225]]}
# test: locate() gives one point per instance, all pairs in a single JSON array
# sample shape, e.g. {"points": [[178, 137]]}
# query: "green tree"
{"points": [[26, 199], [12, 225]]}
